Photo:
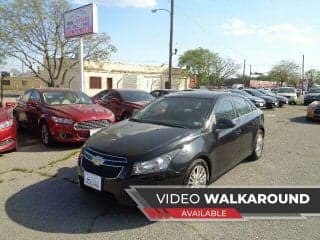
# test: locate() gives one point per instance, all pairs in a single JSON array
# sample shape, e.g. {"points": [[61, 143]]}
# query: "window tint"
{"points": [[35, 96], [242, 105], [225, 109]]}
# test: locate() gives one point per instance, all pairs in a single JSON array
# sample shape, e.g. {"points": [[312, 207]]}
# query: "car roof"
{"points": [[128, 90], [41, 90], [200, 94]]}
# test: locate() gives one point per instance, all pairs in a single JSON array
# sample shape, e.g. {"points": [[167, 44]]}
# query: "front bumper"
{"points": [[66, 133], [259, 104], [8, 139], [116, 187]]}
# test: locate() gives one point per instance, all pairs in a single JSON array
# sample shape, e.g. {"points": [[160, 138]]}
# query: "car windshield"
{"points": [[65, 98], [286, 90], [176, 112], [256, 93], [314, 90], [136, 96], [266, 92], [243, 93]]}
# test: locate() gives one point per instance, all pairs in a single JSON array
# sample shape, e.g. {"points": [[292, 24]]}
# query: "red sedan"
{"points": [[8, 131], [61, 115], [123, 102]]}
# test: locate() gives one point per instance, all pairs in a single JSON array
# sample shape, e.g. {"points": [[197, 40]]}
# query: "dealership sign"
{"points": [[81, 21], [184, 203]]}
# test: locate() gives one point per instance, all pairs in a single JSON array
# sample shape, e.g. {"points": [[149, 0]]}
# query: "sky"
{"points": [[263, 32]]}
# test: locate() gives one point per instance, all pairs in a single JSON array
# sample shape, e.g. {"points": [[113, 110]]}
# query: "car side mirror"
{"points": [[225, 123]]}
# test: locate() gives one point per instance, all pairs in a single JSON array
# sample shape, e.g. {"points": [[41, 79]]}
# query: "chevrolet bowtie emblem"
{"points": [[96, 160]]}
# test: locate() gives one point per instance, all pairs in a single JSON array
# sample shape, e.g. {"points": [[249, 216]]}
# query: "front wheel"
{"points": [[46, 137], [197, 174], [258, 147]]}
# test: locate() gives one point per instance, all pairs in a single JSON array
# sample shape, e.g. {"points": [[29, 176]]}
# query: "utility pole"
{"points": [[302, 72], [170, 45], [244, 71]]}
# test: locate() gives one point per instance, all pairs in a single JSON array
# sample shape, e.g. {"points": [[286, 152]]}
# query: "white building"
{"points": [[106, 75]]}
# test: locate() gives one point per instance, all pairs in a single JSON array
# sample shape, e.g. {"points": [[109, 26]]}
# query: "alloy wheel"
{"points": [[259, 144], [198, 176]]}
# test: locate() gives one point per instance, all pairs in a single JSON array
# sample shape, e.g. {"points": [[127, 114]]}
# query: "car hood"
{"points": [[268, 98], [137, 140], [287, 94], [257, 99], [81, 112], [312, 94]]}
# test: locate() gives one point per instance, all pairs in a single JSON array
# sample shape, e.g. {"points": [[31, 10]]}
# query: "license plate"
{"points": [[92, 180], [93, 131]]}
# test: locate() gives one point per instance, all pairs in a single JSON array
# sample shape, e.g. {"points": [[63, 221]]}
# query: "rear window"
{"points": [[136, 96], [286, 90], [315, 90]]}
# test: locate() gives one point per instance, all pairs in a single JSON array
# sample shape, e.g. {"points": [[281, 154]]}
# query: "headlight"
{"points": [[155, 165], [6, 124], [62, 120]]}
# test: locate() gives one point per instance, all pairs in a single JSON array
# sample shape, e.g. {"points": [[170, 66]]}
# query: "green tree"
{"points": [[285, 71], [32, 32], [208, 66], [313, 76]]}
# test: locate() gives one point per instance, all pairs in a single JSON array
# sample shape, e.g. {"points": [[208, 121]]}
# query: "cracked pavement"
{"points": [[40, 199]]}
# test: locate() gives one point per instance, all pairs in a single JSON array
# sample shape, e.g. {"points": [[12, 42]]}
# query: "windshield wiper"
{"points": [[165, 124]]}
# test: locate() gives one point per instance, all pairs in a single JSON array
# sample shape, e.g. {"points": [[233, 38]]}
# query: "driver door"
{"points": [[227, 142]]}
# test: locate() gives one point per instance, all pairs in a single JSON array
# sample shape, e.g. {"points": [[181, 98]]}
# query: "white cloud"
{"points": [[281, 32], [122, 3]]}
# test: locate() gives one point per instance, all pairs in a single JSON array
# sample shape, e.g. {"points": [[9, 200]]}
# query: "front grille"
{"points": [[91, 124], [104, 165]]}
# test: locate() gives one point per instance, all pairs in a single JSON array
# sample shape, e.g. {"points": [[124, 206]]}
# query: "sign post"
{"points": [[81, 64], [77, 23]]}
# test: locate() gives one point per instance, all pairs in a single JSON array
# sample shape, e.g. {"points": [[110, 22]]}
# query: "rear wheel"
{"points": [[197, 174], [46, 137], [258, 147]]}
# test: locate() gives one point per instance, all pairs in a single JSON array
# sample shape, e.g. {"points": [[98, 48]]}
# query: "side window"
{"points": [[35, 96], [242, 106], [26, 96], [225, 109]]}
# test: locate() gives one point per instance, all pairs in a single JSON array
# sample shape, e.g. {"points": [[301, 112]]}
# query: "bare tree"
{"points": [[32, 32]]}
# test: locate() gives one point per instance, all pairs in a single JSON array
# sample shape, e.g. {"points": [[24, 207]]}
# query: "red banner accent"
{"points": [[192, 213]]}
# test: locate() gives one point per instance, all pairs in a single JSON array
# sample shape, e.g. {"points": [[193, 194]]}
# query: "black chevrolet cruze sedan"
{"points": [[184, 138]]}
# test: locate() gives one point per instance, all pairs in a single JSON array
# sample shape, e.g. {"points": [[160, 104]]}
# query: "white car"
{"points": [[288, 92]]}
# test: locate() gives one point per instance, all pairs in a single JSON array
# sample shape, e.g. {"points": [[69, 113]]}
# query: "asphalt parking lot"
{"points": [[40, 199]]}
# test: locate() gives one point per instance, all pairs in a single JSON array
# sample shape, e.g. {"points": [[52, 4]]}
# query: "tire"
{"points": [[46, 137], [258, 146], [125, 116], [199, 166]]}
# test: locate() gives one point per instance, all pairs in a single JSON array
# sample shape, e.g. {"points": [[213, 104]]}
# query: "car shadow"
{"points": [[303, 120], [58, 205], [28, 142]]}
